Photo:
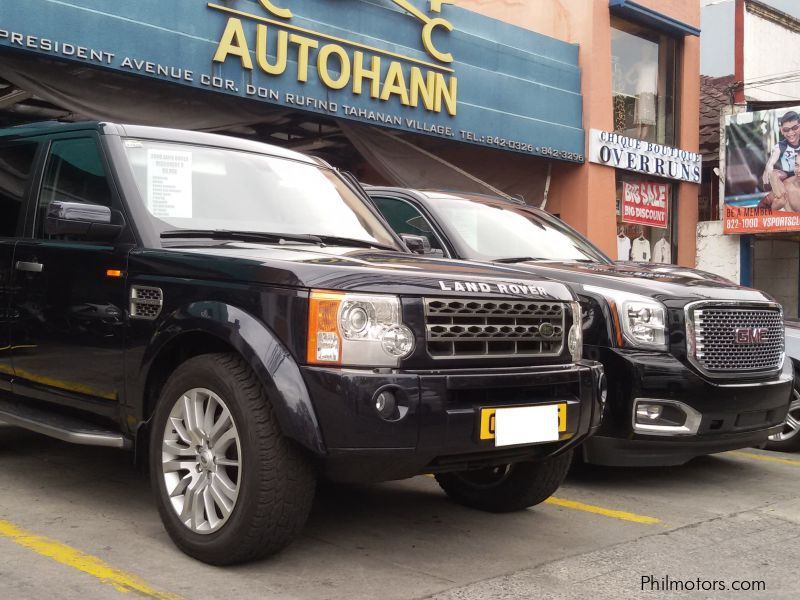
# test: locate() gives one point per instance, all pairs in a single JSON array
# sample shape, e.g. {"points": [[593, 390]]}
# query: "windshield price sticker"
{"points": [[169, 184]]}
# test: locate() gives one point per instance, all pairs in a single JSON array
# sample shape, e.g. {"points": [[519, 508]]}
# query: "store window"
{"points": [[644, 64], [645, 216]]}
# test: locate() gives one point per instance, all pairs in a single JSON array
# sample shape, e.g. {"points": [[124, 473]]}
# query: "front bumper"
{"points": [[438, 430], [731, 414]]}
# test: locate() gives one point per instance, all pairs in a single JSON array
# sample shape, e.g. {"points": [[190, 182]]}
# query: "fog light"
{"points": [[665, 417], [386, 404], [398, 341], [647, 413]]}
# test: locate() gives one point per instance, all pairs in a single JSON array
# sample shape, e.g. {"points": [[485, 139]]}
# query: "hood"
{"points": [[669, 284], [348, 269]]}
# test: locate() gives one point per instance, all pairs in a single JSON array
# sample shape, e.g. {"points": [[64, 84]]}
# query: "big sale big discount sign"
{"points": [[645, 203]]}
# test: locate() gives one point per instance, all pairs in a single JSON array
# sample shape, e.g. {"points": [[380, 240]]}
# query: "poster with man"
{"points": [[762, 174]]}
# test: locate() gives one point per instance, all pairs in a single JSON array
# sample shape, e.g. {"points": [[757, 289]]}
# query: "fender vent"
{"points": [[146, 302]]}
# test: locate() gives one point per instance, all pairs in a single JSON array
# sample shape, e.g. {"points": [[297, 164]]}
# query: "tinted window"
{"points": [[74, 173], [405, 218], [16, 165]]}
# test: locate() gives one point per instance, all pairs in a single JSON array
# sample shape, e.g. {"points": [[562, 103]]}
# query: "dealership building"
{"points": [[588, 108]]}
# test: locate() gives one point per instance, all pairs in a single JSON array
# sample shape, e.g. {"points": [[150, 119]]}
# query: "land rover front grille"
{"points": [[743, 340], [480, 328]]}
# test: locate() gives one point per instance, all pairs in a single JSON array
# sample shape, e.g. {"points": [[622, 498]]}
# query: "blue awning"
{"points": [[648, 16]]}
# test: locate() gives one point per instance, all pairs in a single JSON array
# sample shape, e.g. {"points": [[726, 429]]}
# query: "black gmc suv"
{"points": [[695, 364], [240, 315]]}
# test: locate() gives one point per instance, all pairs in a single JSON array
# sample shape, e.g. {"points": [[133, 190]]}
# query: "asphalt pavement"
{"points": [[79, 522]]}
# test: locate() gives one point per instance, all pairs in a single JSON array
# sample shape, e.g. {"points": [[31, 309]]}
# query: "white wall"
{"points": [[771, 49], [717, 253]]}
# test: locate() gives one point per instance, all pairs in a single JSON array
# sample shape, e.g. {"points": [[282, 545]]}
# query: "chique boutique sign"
{"points": [[640, 156], [423, 66]]}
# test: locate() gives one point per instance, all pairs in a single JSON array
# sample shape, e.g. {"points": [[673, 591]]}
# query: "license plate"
{"points": [[523, 424]]}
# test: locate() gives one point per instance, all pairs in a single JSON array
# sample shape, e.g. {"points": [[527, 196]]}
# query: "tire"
{"points": [[788, 440], [254, 487], [508, 488]]}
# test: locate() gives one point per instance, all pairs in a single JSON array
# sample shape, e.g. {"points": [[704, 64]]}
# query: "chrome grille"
{"points": [[479, 328], [713, 345], [146, 302]]}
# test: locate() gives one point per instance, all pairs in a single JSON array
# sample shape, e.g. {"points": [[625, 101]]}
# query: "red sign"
{"points": [[645, 203], [759, 219]]}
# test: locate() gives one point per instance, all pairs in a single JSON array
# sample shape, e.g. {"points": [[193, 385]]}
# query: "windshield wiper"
{"points": [[346, 241], [275, 238], [241, 236], [517, 259]]}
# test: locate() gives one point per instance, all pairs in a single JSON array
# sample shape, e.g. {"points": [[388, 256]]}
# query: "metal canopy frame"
{"points": [[642, 14]]}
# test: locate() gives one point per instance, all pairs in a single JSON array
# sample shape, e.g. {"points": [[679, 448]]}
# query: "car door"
{"points": [[16, 168], [70, 291]]}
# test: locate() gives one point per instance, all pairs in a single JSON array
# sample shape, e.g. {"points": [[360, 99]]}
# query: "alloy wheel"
{"points": [[201, 461], [791, 427]]}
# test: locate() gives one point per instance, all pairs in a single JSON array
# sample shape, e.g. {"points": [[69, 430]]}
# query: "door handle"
{"points": [[31, 267]]}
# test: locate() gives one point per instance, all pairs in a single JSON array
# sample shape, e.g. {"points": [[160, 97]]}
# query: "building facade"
{"points": [[588, 108], [750, 86]]}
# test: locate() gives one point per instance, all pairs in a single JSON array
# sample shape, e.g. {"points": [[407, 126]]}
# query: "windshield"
{"points": [[489, 232], [203, 188]]}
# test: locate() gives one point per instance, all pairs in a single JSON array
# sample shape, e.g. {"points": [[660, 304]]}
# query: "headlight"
{"points": [[356, 329], [643, 320], [575, 337]]}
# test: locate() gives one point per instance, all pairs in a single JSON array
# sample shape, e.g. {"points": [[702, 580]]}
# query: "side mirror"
{"points": [[418, 244], [77, 219]]}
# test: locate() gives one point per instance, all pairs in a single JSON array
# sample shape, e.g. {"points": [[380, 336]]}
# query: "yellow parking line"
{"points": [[598, 510], [764, 457], [606, 512], [76, 559]]}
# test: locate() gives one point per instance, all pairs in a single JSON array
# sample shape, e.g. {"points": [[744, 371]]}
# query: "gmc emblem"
{"points": [[751, 335]]}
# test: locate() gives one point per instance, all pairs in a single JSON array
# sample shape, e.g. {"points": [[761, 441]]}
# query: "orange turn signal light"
{"points": [[617, 327], [324, 341], [115, 273]]}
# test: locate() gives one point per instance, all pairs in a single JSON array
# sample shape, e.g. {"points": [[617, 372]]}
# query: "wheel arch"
{"points": [[211, 327]]}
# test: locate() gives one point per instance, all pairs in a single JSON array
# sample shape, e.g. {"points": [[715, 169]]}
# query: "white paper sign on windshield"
{"points": [[169, 183]]}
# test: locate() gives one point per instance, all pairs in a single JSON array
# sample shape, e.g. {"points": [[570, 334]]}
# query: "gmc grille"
{"points": [[481, 328], [715, 349]]}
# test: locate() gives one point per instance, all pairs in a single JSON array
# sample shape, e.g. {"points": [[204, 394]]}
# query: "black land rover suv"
{"points": [[241, 315], [695, 364]]}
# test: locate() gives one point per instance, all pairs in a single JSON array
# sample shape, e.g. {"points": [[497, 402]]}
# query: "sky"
{"points": [[717, 25]]}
